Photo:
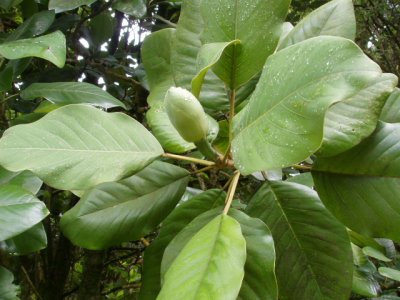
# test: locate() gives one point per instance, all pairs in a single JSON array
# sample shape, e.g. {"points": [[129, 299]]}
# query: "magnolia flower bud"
{"points": [[186, 114]]}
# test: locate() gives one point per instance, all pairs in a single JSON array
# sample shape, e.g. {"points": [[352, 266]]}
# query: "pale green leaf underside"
{"points": [[165, 132], [71, 93], [210, 266], [283, 122], [19, 208], [360, 187], [27, 180], [391, 110], [335, 18], [171, 226], [32, 240], [51, 47], [8, 290], [125, 210], [77, 147], [257, 24], [208, 56], [372, 252], [390, 273], [62, 5], [311, 245]]}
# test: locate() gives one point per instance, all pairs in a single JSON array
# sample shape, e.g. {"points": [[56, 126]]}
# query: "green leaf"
{"points": [[136, 8], [171, 226], [365, 284], [303, 178], [156, 53], [165, 132], [259, 282], [7, 4], [208, 56], [335, 18], [364, 241], [35, 25], [350, 121], [283, 122], [71, 93], [211, 265], [390, 273], [62, 5], [185, 48], [77, 147], [372, 252], [101, 28], [257, 24], [32, 240], [183, 237], [25, 179], [19, 208], [311, 245], [360, 186], [8, 290], [51, 47], [126, 210], [391, 110]]}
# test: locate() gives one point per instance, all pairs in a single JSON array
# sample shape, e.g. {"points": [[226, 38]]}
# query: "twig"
{"points": [[30, 282], [231, 192], [190, 159], [168, 22]]}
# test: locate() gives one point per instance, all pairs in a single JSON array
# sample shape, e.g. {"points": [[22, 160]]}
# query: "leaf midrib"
{"points": [[255, 121], [296, 239]]}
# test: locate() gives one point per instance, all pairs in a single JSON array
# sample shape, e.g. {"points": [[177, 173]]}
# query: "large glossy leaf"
{"points": [[259, 282], [77, 147], [183, 237], [32, 240], [71, 93], [185, 48], [62, 5], [335, 18], [171, 226], [211, 265], [8, 290], [51, 47], [25, 179], [311, 245], [257, 24], [360, 187], [283, 122], [350, 121], [126, 210], [391, 110], [35, 25], [136, 8], [156, 53], [19, 208]]}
